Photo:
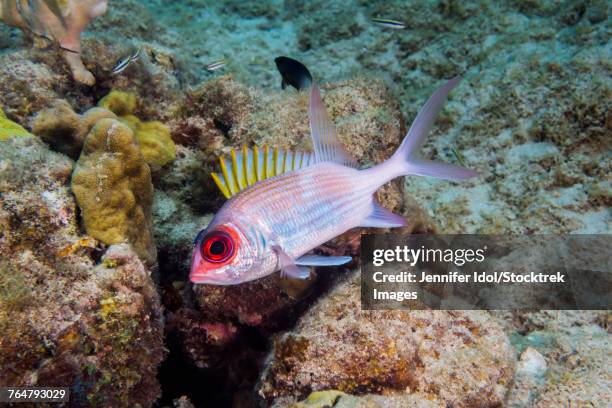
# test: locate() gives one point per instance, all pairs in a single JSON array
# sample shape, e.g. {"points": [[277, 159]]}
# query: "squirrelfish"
{"points": [[272, 224]]}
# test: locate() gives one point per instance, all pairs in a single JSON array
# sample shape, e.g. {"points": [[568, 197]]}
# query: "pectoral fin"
{"points": [[319, 260], [288, 267]]}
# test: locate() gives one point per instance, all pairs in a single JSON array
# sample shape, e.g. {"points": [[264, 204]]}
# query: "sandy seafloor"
{"points": [[532, 115]]}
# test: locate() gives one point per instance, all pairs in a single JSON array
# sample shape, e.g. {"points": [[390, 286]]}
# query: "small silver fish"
{"points": [[125, 62], [385, 22], [213, 66]]}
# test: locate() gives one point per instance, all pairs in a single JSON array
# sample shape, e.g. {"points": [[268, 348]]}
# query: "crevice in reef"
{"points": [[229, 372]]}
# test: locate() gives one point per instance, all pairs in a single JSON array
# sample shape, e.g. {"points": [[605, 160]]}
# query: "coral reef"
{"points": [[27, 86], [33, 80], [65, 130], [337, 399], [8, 128], [112, 185], [532, 116], [120, 103], [562, 357], [460, 358], [67, 320], [153, 137], [59, 21]]}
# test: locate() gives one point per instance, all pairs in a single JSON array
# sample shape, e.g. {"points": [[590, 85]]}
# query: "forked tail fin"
{"points": [[406, 160]]}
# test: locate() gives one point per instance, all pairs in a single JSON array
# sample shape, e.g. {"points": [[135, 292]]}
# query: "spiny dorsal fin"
{"points": [[327, 146], [250, 165]]}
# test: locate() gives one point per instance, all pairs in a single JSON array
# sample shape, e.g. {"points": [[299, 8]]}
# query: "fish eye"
{"points": [[217, 247]]}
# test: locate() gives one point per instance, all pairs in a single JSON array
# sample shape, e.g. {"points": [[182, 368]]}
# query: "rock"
{"points": [[459, 358], [67, 320], [597, 11], [571, 345], [27, 86], [531, 363], [183, 402], [321, 23], [112, 185], [337, 399], [583, 373]]}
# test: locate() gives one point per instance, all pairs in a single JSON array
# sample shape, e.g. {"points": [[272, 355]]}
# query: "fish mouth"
{"points": [[209, 280]]}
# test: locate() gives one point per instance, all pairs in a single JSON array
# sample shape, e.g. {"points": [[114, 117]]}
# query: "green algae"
{"points": [[15, 293], [8, 128]]}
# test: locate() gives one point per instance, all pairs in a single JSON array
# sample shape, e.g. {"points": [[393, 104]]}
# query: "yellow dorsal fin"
{"points": [[237, 171], [221, 185], [250, 165], [245, 163], [264, 172], [256, 163], [283, 167]]}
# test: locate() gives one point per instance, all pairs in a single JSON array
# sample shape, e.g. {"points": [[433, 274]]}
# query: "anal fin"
{"points": [[380, 217]]}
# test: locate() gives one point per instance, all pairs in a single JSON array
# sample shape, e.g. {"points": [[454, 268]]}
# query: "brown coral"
{"points": [[153, 137], [64, 320], [64, 129], [112, 185]]}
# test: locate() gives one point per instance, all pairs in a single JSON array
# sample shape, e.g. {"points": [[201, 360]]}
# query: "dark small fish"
{"points": [[125, 62], [385, 22], [294, 73], [213, 66]]}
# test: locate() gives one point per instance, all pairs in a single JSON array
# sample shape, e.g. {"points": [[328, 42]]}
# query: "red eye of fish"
{"points": [[218, 247]]}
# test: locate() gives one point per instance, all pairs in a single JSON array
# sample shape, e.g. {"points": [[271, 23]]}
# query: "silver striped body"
{"points": [[299, 211]]}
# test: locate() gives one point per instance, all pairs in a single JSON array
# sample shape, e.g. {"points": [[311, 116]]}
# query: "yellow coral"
{"points": [[107, 307], [112, 186], [8, 128], [155, 142], [153, 137], [119, 102], [62, 128], [320, 399]]}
